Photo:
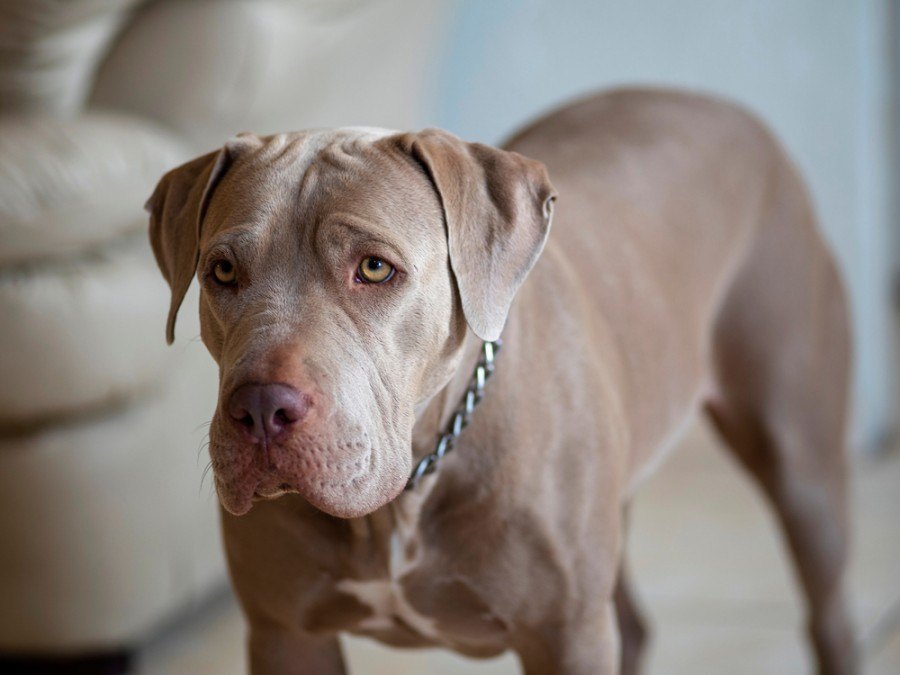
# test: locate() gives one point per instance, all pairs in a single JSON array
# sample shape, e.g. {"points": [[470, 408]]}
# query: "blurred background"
{"points": [[109, 544]]}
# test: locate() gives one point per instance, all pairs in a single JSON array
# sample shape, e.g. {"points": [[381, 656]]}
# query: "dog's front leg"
{"points": [[274, 651], [574, 647]]}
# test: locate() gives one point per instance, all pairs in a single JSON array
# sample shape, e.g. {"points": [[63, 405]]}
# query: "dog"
{"points": [[432, 416]]}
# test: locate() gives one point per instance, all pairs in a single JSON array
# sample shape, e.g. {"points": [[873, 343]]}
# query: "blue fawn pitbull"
{"points": [[355, 287]]}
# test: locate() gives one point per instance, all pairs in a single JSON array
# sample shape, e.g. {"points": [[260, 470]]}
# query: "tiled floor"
{"points": [[709, 568]]}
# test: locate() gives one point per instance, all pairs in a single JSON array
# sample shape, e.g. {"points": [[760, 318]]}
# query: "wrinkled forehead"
{"points": [[309, 180]]}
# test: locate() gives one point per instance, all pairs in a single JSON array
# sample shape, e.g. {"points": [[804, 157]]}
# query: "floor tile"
{"points": [[210, 643], [369, 658], [887, 660]]}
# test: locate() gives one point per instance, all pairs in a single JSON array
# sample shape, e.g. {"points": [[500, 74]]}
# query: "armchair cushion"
{"points": [[49, 50], [82, 301], [67, 185]]}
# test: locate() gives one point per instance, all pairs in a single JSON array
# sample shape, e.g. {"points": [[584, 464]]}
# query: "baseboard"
{"points": [[111, 663]]}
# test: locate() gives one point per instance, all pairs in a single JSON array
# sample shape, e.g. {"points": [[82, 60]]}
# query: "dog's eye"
{"points": [[374, 270], [224, 272]]}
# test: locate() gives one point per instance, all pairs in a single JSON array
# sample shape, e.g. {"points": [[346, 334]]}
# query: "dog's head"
{"points": [[339, 271]]}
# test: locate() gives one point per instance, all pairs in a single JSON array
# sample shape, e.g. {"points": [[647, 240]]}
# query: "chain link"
{"points": [[461, 416]]}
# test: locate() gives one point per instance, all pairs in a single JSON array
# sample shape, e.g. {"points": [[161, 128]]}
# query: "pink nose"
{"points": [[267, 411]]}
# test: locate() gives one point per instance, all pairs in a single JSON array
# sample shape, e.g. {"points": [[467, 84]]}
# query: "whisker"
{"points": [[204, 475], [202, 425], [204, 445]]}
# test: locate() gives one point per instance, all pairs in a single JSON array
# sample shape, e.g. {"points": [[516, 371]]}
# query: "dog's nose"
{"points": [[267, 410]]}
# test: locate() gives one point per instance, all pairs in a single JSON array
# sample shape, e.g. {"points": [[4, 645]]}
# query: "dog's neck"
{"points": [[435, 416], [432, 418]]}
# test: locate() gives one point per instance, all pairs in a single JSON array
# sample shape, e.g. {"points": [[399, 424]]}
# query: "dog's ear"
{"points": [[176, 209], [497, 208]]}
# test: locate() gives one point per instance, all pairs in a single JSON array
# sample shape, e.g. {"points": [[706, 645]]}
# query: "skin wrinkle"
{"points": [[362, 236]]}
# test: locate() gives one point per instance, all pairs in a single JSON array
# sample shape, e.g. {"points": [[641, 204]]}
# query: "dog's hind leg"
{"points": [[781, 351], [633, 632], [632, 626]]}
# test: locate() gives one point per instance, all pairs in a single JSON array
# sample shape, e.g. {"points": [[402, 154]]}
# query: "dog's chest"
{"points": [[417, 599], [386, 596]]}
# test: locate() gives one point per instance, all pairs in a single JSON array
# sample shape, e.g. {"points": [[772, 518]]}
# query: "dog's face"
{"points": [[339, 271]]}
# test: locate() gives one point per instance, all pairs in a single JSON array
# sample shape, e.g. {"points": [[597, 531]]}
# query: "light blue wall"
{"points": [[816, 71]]}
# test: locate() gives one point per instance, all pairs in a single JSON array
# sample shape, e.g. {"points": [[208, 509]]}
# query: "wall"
{"points": [[817, 72]]}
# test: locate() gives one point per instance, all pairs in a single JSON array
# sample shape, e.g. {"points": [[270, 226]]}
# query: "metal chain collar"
{"points": [[461, 417]]}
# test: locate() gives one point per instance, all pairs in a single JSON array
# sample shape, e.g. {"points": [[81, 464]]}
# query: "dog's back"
{"points": [[667, 201]]}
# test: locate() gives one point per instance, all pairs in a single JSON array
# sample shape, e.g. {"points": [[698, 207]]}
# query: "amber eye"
{"points": [[224, 272], [374, 270]]}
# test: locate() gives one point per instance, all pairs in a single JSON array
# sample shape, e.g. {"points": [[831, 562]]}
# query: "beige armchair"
{"points": [[105, 530]]}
